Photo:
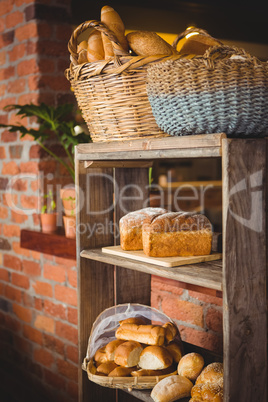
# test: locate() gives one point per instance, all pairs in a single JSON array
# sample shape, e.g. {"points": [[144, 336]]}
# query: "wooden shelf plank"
{"points": [[172, 147], [48, 243], [207, 275]]}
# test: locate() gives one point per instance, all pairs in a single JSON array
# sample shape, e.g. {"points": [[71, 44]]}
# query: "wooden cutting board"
{"points": [[162, 261]]}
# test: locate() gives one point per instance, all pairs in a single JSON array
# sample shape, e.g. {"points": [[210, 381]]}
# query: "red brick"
{"points": [[26, 32], [35, 185], [12, 323], [72, 353], [53, 344], [67, 369], [47, 166], [36, 255], [44, 357], [72, 315], [14, 19], [18, 217], [19, 250], [22, 345], [38, 304], [5, 74], [12, 262], [52, 48], [47, 65], [43, 288], [28, 98], [15, 151], [29, 167], [67, 332], [2, 153], [3, 212], [54, 380], [56, 83], [22, 281], [5, 7], [66, 295], [10, 168], [11, 230], [11, 200], [166, 285], [13, 293], [72, 278], [27, 300], [183, 310], [29, 201], [206, 298], [72, 389], [20, 185], [214, 320], [35, 151], [203, 339], [4, 275], [3, 58], [55, 310], [44, 323], [54, 272], [22, 313], [31, 268], [65, 262], [32, 334], [2, 93], [16, 86], [7, 136]]}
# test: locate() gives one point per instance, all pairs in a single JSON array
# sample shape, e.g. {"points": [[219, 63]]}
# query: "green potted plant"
{"points": [[69, 219], [48, 215]]}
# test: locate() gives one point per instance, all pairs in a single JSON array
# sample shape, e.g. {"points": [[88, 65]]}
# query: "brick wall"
{"points": [[38, 298]]}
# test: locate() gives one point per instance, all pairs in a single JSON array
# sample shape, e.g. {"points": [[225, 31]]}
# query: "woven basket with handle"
{"points": [[226, 90], [112, 93]]}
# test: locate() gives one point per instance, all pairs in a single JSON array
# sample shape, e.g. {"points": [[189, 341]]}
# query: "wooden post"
{"points": [[244, 270]]}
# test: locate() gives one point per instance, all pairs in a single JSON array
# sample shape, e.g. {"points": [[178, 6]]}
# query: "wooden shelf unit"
{"points": [[107, 175]]}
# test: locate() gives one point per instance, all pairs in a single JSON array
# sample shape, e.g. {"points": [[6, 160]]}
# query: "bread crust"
{"points": [[171, 388], [147, 334], [211, 373], [128, 354], [155, 358], [146, 43], [191, 365]]}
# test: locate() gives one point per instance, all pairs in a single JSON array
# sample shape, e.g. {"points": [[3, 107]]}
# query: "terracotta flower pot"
{"points": [[70, 226], [49, 222], [68, 198]]}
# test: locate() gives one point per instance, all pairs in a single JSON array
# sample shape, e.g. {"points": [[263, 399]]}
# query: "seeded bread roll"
{"points": [[128, 354], [171, 388], [111, 347], [207, 392], [130, 227], [146, 43], [155, 358], [211, 373], [191, 365], [106, 368], [148, 334], [176, 234]]}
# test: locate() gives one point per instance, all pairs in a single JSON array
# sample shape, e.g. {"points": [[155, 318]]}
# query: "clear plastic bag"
{"points": [[105, 325]]}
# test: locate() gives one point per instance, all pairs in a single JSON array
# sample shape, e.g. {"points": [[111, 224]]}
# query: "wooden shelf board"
{"points": [[54, 244], [206, 275]]}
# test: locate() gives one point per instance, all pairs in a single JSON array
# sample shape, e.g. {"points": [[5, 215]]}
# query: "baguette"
{"points": [[191, 365], [128, 354], [113, 21], [171, 388], [95, 49], [155, 358], [148, 334]]}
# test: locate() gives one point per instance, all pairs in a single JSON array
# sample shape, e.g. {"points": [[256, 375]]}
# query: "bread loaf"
{"points": [[121, 371], [191, 365], [130, 227], [146, 43], [133, 320], [175, 350], [82, 52], [113, 21], [196, 44], [155, 358], [171, 388], [146, 372], [171, 331], [207, 392], [211, 373], [111, 347], [148, 334], [128, 354], [176, 234], [106, 368], [95, 50], [101, 356]]}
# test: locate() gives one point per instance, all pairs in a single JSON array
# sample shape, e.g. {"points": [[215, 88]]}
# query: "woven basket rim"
{"points": [[143, 382]]}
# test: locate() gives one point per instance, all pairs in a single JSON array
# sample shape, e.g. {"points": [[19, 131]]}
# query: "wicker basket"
{"points": [[122, 382], [226, 90], [112, 93]]}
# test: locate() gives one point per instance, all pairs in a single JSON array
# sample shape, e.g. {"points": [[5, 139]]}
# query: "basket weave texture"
{"points": [[112, 93], [226, 90]]}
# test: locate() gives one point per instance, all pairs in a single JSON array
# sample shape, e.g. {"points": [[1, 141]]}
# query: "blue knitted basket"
{"points": [[226, 90]]}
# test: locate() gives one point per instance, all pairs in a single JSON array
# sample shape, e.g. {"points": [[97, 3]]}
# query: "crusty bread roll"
{"points": [[111, 347], [101, 356], [106, 368], [128, 354], [145, 372], [82, 52], [121, 372], [133, 320], [130, 227], [148, 334], [95, 49], [171, 331], [191, 365], [175, 350], [146, 43], [196, 44], [114, 22], [211, 373], [207, 392], [155, 358], [171, 388], [176, 234]]}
